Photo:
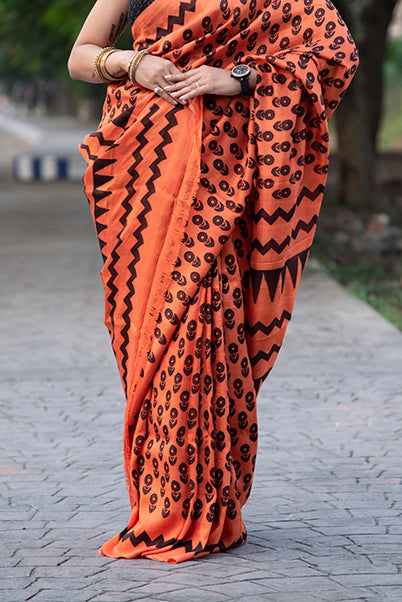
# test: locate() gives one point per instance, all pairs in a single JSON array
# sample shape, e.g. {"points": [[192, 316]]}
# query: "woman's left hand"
{"points": [[204, 80]]}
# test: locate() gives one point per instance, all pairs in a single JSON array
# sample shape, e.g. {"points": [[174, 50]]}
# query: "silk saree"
{"points": [[205, 215]]}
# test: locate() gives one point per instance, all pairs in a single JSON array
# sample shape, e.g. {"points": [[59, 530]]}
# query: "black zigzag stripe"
{"points": [[113, 290], [288, 215], [312, 195], [137, 235], [272, 244], [268, 328], [179, 20], [270, 219], [262, 355], [159, 542], [146, 122], [102, 142], [305, 226], [278, 248]]}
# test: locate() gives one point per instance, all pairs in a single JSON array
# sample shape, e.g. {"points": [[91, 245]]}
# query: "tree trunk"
{"points": [[376, 19], [356, 155], [358, 117]]}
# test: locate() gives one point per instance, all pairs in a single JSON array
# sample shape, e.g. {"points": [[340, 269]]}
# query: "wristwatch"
{"points": [[242, 74]]}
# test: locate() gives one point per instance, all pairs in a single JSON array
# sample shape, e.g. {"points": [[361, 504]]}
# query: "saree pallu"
{"points": [[205, 215]]}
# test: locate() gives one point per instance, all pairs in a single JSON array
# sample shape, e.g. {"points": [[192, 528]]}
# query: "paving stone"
{"points": [[389, 593], [8, 585], [344, 595], [238, 590], [194, 593], [277, 597], [370, 580], [298, 584], [59, 595]]}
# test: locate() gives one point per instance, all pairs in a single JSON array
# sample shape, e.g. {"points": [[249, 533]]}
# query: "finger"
{"points": [[188, 91], [180, 76], [159, 91], [190, 95], [190, 83], [168, 93], [174, 87]]}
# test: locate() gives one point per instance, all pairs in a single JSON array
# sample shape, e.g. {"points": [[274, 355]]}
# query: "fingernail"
{"points": [[167, 88], [168, 76]]}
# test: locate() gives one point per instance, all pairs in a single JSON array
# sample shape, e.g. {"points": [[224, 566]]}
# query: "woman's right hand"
{"points": [[150, 73]]}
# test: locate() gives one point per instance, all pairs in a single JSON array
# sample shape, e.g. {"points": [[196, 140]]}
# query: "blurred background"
{"points": [[359, 237]]}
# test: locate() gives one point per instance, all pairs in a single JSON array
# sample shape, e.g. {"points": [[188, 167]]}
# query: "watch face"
{"points": [[241, 70]]}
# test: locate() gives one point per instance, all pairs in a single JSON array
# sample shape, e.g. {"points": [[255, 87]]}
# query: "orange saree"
{"points": [[205, 215]]}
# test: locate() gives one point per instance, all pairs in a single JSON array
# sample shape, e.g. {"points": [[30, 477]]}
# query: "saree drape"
{"points": [[205, 215]]}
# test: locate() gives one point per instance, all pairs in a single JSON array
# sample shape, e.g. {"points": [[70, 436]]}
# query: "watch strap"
{"points": [[245, 84]]}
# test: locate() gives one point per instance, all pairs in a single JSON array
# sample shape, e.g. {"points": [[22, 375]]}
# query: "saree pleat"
{"points": [[205, 215]]}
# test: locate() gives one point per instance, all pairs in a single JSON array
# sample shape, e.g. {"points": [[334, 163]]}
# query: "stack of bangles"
{"points": [[103, 74]]}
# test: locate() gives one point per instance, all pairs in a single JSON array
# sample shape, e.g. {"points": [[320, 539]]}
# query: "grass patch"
{"points": [[374, 285]]}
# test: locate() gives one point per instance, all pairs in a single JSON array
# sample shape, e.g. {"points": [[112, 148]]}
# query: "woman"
{"points": [[205, 182]]}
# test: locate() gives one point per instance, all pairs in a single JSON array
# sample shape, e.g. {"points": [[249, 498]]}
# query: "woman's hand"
{"points": [[204, 80], [150, 73]]}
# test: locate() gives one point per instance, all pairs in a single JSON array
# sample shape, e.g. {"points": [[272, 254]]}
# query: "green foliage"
{"points": [[390, 135], [36, 37], [393, 63], [370, 282]]}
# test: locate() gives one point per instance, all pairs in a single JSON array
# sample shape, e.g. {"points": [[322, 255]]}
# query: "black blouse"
{"points": [[135, 8]]}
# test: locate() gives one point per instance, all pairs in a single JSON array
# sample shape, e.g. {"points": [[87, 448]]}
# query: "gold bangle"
{"points": [[130, 66], [133, 64], [107, 75], [100, 65], [97, 63]]}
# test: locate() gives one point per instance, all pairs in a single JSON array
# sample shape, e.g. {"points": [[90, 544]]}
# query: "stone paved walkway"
{"points": [[325, 516]]}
